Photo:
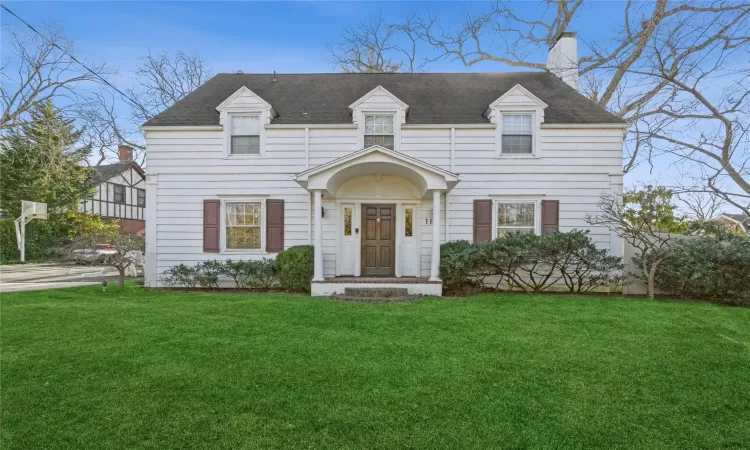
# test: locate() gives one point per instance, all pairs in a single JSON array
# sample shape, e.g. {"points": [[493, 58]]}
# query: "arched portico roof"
{"points": [[376, 160]]}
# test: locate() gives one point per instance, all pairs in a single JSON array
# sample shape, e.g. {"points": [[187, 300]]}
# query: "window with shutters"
{"points": [[244, 225], [245, 134], [379, 130], [516, 216]]}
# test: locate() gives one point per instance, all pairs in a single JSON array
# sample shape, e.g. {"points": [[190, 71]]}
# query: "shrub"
{"points": [[239, 271], [586, 267], [460, 265], [709, 267], [295, 267], [530, 263], [180, 276], [207, 273], [263, 274]]}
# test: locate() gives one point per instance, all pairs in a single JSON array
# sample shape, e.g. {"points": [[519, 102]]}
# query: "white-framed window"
{"points": [[379, 130], [243, 225], [516, 216], [244, 136], [517, 136]]}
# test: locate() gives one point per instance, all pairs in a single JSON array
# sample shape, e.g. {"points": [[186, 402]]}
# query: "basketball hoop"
{"points": [[29, 211]]}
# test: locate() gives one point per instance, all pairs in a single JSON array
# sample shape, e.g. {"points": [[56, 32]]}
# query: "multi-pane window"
{"points": [[347, 221], [245, 135], [408, 222], [119, 193], [515, 218], [379, 130], [517, 134], [141, 197], [243, 225]]}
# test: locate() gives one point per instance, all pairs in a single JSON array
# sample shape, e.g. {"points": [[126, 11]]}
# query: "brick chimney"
{"points": [[562, 59], [125, 152]]}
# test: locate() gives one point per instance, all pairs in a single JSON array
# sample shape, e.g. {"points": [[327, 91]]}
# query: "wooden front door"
{"points": [[379, 240]]}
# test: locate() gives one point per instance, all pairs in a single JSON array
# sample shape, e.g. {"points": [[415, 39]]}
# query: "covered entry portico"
{"points": [[378, 194]]}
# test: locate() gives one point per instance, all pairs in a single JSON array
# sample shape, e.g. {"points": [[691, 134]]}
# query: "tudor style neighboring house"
{"points": [[735, 223], [376, 170], [120, 193]]}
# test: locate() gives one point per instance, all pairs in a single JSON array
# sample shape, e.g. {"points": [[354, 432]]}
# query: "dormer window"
{"points": [[244, 117], [379, 130], [517, 134], [519, 115], [245, 137]]}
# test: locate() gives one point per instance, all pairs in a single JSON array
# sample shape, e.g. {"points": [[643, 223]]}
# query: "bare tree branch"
{"points": [[36, 71]]}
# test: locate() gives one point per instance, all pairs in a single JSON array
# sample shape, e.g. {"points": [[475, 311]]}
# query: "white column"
{"points": [[318, 241], [435, 265]]}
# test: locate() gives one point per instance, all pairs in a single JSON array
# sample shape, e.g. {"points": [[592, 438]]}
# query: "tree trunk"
{"points": [[121, 280], [651, 282]]}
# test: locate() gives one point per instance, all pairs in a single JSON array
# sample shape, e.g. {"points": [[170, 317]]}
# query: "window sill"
{"points": [[261, 155], [510, 156], [239, 251]]}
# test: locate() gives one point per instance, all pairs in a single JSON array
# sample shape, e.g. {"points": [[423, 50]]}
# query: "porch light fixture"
{"points": [[322, 212]]}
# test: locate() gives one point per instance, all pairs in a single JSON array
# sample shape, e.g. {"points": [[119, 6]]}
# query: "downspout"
{"points": [[447, 194], [309, 194]]}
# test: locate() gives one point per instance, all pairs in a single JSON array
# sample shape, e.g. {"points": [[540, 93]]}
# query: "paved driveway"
{"points": [[30, 277]]}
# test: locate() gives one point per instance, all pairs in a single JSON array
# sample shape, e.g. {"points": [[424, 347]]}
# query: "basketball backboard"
{"points": [[33, 210]]}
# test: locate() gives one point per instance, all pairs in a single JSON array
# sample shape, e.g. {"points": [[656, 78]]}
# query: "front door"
{"points": [[378, 240]]}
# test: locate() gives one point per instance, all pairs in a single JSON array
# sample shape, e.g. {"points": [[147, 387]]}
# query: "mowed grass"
{"points": [[141, 369]]}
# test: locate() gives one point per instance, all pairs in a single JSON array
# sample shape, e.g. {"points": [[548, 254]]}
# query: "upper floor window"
{"points": [[517, 134], [379, 130], [245, 137], [141, 197], [119, 191]]}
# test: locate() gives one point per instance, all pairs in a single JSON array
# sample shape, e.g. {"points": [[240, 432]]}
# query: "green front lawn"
{"points": [[140, 369]]}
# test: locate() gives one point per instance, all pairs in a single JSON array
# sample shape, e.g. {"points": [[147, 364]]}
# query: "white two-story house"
{"points": [[376, 170]]}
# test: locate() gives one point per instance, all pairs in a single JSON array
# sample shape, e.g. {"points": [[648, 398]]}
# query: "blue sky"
{"points": [[259, 36]]}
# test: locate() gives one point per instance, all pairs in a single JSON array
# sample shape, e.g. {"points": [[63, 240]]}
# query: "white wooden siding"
{"points": [[576, 167]]}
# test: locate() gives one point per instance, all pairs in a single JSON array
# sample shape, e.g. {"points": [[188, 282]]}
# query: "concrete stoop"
{"points": [[375, 295]]}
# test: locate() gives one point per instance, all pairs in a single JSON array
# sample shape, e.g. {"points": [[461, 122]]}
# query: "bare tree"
{"points": [[121, 252], [370, 48], [37, 70], [677, 72], [701, 206], [160, 81]]}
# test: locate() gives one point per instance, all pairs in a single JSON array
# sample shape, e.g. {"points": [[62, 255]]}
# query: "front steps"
{"points": [[374, 295], [339, 285]]}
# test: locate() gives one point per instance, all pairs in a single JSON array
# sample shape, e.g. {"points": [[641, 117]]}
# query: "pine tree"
{"points": [[40, 162]]}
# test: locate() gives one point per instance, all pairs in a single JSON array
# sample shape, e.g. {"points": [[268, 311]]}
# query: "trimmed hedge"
{"points": [[295, 267], [716, 268], [530, 263], [253, 274]]}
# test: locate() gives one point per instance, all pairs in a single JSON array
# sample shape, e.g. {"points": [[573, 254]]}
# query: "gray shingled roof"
{"points": [[741, 218], [107, 171], [433, 98]]}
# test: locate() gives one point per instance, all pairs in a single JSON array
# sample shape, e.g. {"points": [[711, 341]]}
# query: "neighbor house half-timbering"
{"points": [[120, 193], [375, 170]]}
